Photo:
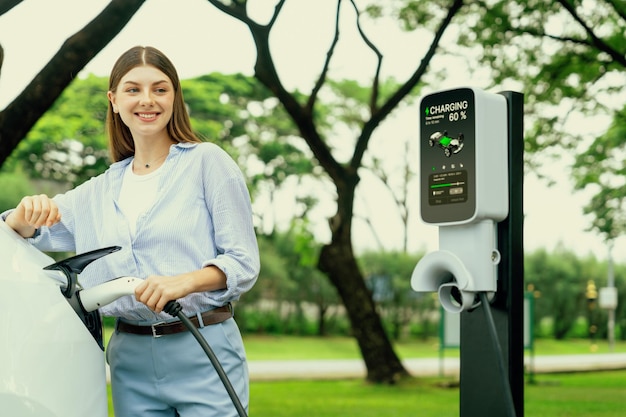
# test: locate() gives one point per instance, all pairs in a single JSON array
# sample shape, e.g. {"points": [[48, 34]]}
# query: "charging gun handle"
{"points": [[93, 298]]}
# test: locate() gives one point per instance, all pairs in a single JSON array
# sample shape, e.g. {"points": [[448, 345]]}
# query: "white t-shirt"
{"points": [[137, 195]]}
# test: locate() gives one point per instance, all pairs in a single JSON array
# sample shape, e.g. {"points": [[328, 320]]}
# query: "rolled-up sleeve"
{"points": [[235, 238]]}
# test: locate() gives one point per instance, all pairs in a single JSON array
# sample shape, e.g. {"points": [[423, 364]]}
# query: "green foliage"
{"points": [[619, 271], [291, 295], [218, 105], [602, 168], [350, 101], [274, 281], [68, 144], [566, 69], [14, 186], [388, 276], [562, 288], [254, 320], [396, 267], [242, 116], [559, 281], [299, 248], [411, 14]]}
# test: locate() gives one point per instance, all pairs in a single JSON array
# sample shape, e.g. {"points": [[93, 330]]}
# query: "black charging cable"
{"points": [[173, 308], [510, 411]]}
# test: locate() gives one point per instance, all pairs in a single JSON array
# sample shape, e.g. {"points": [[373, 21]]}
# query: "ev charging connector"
{"points": [[464, 191]]}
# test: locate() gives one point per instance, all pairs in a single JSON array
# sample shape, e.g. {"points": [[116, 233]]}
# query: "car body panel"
{"points": [[49, 361]]}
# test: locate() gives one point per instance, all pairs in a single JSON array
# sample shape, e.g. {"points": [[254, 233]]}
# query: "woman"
{"points": [[181, 212]]}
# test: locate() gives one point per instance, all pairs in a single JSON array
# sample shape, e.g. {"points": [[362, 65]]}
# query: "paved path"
{"points": [[355, 368], [347, 368]]}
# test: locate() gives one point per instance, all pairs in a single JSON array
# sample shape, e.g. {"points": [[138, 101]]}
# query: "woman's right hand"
{"points": [[32, 213]]}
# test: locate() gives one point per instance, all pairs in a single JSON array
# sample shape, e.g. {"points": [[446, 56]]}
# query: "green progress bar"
{"points": [[441, 185]]}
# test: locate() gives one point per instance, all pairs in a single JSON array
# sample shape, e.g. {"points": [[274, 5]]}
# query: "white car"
{"points": [[51, 356]]}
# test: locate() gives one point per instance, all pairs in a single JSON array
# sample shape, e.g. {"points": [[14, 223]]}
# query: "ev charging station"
{"points": [[471, 187]]}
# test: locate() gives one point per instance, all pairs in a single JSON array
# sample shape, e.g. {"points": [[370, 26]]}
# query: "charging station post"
{"points": [[481, 385], [471, 186]]}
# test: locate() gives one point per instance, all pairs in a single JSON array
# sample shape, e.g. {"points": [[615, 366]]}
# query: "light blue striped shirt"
{"points": [[202, 216]]}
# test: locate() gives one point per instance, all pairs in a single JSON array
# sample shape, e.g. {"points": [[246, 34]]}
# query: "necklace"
{"points": [[148, 164]]}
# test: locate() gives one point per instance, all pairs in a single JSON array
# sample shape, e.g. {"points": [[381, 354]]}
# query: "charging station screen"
{"points": [[447, 156]]}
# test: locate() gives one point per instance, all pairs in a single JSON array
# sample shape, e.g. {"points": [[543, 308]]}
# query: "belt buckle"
{"points": [[154, 330]]}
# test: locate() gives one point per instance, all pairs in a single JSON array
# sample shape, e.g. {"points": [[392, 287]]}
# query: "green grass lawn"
{"points": [[598, 394], [565, 395]]}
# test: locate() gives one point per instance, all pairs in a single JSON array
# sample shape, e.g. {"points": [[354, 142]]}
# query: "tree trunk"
{"points": [[338, 262], [321, 320]]}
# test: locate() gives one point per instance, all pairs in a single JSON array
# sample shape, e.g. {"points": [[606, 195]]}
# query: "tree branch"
{"points": [[595, 41], [20, 115], [379, 56], [621, 12], [6, 5], [404, 90], [368, 222], [265, 72], [329, 54]]}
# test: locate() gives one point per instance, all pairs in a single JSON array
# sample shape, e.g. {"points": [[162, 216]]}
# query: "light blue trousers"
{"points": [[172, 376]]}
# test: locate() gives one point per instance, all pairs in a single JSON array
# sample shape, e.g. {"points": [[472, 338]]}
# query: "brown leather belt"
{"points": [[210, 317]]}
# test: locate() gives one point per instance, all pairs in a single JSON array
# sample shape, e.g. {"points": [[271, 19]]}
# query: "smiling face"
{"points": [[144, 99]]}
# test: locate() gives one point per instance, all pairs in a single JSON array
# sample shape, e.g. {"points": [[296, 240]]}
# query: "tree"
{"points": [[337, 258], [568, 56], [560, 279]]}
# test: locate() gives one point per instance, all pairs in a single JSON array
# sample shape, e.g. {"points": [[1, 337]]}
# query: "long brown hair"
{"points": [[121, 143]]}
